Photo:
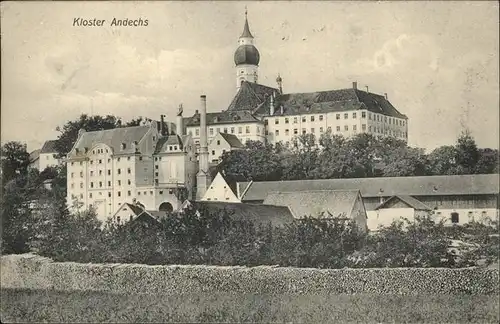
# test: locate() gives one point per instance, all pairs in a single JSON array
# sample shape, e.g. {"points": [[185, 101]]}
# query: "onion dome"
{"points": [[246, 54]]}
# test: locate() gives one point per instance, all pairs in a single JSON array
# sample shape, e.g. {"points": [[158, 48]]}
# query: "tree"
{"points": [[442, 161], [257, 161], [15, 160], [467, 154], [488, 161], [300, 162]]}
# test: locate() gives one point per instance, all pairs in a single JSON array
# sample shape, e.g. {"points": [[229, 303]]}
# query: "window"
{"points": [[470, 217], [100, 172], [363, 127], [156, 167], [129, 171], [304, 119], [346, 127], [218, 142], [90, 195], [81, 196], [128, 158], [213, 152], [312, 130], [346, 115], [197, 132], [337, 116], [277, 132], [100, 184], [123, 146], [91, 173], [109, 194], [247, 129], [338, 128], [118, 160], [303, 130], [161, 192], [287, 132], [276, 121], [119, 171], [295, 131], [119, 182], [370, 116], [363, 114], [109, 172], [225, 130], [232, 130], [312, 118], [320, 117], [353, 115], [286, 121], [81, 185], [295, 120], [81, 163], [72, 174], [321, 129], [129, 193], [240, 130], [129, 182], [140, 158], [72, 186], [109, 183], [385, 119], [211, 131], [454, 218], [119, 193], [354, 127], [100, 161], [156, 174], [91, 185]]}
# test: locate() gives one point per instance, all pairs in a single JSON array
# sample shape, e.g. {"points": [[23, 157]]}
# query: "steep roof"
{"points": [[257, 213], [173, 139], [49, 147], [250, 96], [246, 29], [330, 101], [315, 203], [113, 138], [389, 186], [34, 155], [409, 200], [232, 140], [224, 117]]}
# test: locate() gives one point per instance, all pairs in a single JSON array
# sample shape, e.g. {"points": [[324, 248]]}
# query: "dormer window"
{"points": [[77, 151], [123, 146], [86, 149]]}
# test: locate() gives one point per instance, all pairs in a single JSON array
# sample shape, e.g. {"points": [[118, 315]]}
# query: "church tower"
{"points": [[246, 57]]}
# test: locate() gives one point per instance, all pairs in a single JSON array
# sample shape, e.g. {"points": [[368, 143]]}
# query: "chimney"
{"points": [[271, 105], [355, 85], [203, 177], [367, 89], [385, 94], [162, 122], [180, 121]]}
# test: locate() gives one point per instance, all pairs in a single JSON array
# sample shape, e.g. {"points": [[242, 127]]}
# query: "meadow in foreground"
{"points": [[63, 307]]}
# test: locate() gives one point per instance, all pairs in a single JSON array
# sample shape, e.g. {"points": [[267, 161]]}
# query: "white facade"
{"points": [[47, 160], [219, 190], [218, 146], [245, 131], [105, 175]]}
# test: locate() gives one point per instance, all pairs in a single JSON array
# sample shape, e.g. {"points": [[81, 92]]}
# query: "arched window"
{"points": [[454, 218]]}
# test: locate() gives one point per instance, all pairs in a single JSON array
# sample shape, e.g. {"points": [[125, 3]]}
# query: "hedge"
{"points": [[28, 271]]}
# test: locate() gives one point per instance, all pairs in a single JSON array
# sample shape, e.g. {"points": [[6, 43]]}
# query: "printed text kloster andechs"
{"points": [[81, 22]]}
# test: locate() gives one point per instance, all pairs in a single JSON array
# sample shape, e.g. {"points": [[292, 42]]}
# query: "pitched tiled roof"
{"points": [[232, 140], [250, 96], [232, 181], [113, 138], [161, 145], [135, 209], [49, 147], [315, 203], [257, 213], [330, 101], [34, 155], [409, 200], [391, 186], [225, 117]]}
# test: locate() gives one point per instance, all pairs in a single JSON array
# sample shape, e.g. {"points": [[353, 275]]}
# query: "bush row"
{"points": [[32, 272]]}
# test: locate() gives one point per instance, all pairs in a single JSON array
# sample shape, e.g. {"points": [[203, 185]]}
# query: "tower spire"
{"points": [[246, 28]]}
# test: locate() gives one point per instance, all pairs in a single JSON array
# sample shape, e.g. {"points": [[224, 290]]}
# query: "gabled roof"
{"points": [[35, 155], [408, 200], [232, 181], [112, 138], [225, 117], [316, 203], [388, 186], [330, 101], [256, 213], [49, 147], [232, 140], [250, 96], [163, 142]]}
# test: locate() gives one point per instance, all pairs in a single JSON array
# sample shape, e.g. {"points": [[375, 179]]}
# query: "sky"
{"points": [[437, 61]]}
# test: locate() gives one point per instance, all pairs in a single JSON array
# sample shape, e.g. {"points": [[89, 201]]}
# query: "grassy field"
{"points": [[64, 307]]}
